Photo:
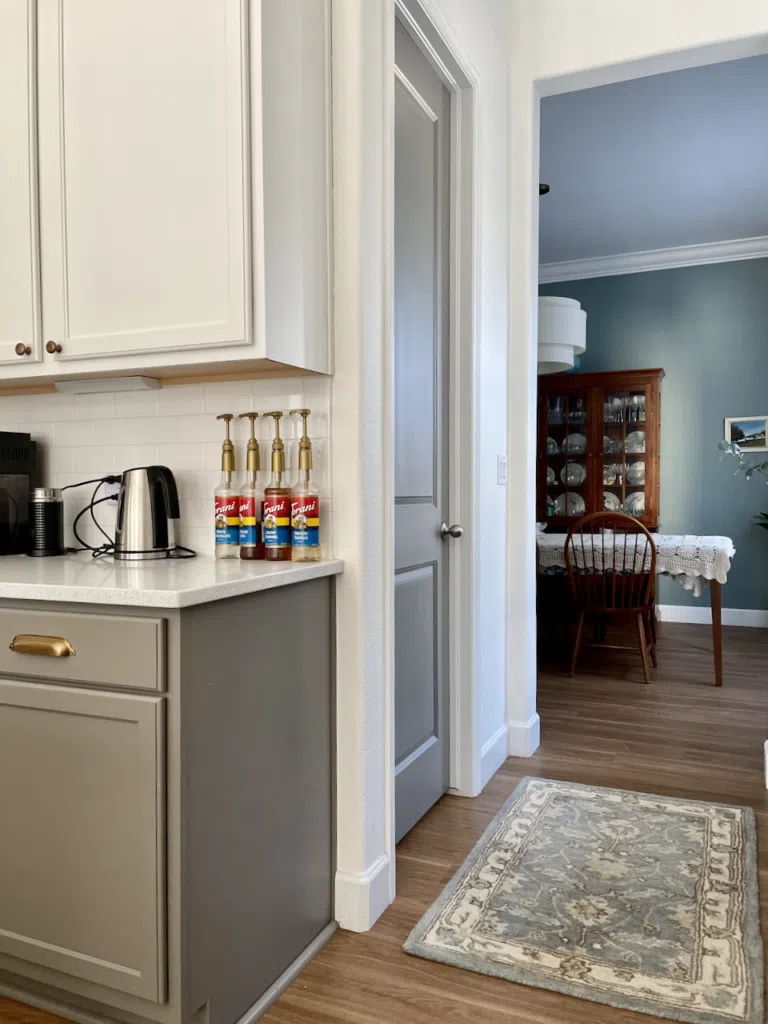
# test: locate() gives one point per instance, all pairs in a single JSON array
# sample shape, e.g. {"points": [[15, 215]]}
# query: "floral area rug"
{"points": [[643, 902]]}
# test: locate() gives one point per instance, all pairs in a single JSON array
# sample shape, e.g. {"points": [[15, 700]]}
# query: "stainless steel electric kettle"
{"points": [[147, 514]]}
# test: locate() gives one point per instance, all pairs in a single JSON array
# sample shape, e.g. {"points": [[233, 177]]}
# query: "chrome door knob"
{"points": [[450, 531]]}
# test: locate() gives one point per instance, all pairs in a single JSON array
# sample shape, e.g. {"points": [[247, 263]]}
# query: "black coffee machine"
{"points": [[18, 478]]}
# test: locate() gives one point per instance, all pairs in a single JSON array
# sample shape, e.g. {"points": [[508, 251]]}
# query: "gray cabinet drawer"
{"points": [[112, 650]]}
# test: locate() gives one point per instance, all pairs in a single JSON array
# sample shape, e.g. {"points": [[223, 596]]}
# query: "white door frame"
{"points": [[362, 425], [430, 33], [523, 309]]}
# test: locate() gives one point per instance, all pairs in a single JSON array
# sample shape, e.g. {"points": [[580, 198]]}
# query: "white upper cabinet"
{"points": [[143, 175], [179, 152], [19, 266]]}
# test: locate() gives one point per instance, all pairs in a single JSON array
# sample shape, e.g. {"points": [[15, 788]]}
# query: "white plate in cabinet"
{"points": [[82, 883], [183, 186]]}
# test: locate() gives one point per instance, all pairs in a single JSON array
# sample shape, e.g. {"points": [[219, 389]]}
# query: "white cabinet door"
{"points": [[19, 263], [143, 176]]}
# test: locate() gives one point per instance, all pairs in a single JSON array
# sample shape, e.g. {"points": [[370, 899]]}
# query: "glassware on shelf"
{"points": [[575, 444], [635, 443], [571, 504], [577, 410], [612, 474], [635, 504], [636, 408], [556, 404], [613, 409], [636, 473], [573, 474]]}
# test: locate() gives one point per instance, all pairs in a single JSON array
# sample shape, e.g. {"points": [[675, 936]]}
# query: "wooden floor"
{"points": [[678, 736]]}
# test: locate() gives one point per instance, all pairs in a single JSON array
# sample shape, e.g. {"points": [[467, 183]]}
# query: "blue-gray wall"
{"points": [[708, 328]]}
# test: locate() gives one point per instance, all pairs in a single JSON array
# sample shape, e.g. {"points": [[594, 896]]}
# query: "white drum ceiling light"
{"points": [[562, 333]]}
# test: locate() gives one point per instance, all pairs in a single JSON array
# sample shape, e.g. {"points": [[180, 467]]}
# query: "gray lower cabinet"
{"points": [[166, 804], [81, 813]]}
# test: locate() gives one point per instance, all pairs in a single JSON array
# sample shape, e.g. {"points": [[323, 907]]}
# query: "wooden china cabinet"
{"points": [[598, 446]]}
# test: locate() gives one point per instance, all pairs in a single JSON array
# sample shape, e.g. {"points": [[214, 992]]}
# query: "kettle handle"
{"points": [[165, 503]]}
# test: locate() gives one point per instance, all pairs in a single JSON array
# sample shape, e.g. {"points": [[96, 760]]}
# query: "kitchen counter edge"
{"points": [[192, 582]]}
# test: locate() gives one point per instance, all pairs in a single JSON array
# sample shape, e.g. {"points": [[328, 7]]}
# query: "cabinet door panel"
{"points": [[19, 259], [144, 209], [81, 806]]}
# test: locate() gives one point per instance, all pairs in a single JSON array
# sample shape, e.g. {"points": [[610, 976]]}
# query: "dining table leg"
{"points": [[716, 600]]}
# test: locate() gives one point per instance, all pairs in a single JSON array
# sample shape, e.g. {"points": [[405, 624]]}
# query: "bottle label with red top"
{"points": [[276, 522], [250, 521], [305, 521], [227, 518]]}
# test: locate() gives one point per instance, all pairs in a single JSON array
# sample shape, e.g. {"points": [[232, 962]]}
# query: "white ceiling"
{"points": [[670, 160]]}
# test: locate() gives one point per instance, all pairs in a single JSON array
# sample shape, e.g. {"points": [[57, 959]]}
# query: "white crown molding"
{"points": [[655, 259]]}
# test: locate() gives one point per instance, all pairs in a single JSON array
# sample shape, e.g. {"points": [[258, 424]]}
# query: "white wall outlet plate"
{"points": [[501, 470]]}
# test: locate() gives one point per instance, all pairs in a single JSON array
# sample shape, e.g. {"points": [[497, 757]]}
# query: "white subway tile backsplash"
{"points": [[219, 400], [180, 401], [74, 435], [13, 409], [180, 456], [53, 408], [94, 407], [57, 460], [135, 403], [83, 436], [95, 460], [128, 456]]}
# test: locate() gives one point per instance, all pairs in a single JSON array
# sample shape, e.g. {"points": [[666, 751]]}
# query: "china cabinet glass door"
{"points": [[567, 455], [624, 452]]}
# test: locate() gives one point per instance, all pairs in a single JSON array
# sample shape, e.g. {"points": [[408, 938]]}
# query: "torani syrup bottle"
{"points": [[251, 542], [226, 501], [276, 515], [305, 506]]}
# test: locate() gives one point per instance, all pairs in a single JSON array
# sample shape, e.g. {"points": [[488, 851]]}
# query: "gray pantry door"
{"points": [[421, 281]]}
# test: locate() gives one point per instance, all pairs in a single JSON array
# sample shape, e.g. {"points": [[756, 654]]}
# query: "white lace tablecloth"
{"points": [[691, 561]]}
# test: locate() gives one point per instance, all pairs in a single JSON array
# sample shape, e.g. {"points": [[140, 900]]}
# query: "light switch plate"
{"points": [[501, 470]]}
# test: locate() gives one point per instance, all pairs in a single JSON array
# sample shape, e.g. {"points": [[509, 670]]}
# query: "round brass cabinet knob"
{"points": [[23, 350], [52, 347]]}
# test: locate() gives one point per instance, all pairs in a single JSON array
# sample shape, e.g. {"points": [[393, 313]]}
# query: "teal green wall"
{"points": [[708, 328]]}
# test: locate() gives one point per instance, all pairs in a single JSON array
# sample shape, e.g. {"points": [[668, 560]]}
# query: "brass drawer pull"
{"points": [[50, 646]]}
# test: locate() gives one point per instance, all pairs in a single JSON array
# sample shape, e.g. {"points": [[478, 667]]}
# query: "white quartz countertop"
{"points": [[166, 583]]}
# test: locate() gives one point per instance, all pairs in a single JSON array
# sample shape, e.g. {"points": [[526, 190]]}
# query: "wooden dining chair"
{"points": [[611, 564]]}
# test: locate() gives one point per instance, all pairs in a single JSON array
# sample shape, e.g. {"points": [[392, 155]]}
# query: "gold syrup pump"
{"points": [[276, 526], [251, 542], [226, 501], [305, 507]]}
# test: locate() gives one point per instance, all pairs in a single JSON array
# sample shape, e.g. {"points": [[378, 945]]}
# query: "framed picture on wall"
{"points": [[748, 432]]}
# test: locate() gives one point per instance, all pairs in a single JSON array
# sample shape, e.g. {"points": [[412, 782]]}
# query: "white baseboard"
{"points": [[755, 617], [493, 755], [523, 737], [361, 898]]}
